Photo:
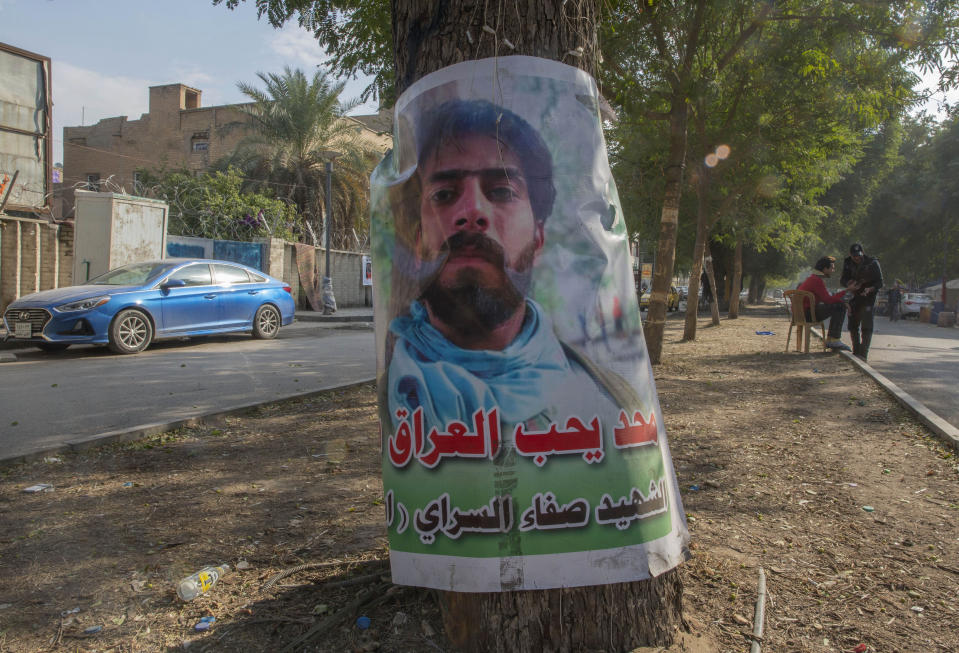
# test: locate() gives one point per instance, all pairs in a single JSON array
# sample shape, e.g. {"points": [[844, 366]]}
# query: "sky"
{"points": [[105, 54]]}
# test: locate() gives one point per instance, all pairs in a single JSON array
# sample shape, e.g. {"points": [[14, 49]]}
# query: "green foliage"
{"points": [[909, 220], [796, 90], [299, 125], [214, 206]]}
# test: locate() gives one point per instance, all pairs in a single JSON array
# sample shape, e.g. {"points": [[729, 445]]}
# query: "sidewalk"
{"points": [[348, 314]]}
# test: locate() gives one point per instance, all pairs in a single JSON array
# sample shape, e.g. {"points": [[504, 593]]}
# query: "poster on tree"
{"points": [[522, 439]]}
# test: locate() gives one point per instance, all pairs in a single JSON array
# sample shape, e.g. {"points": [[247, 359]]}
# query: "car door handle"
{"points": [[209, 296], [252, 292]]}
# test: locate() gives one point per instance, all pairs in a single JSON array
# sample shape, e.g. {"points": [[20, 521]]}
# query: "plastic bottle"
{"points": [[196, 584]]}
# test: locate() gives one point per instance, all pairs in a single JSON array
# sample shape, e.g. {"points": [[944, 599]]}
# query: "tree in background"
{"points": [[663, 59], [900, 202], [299, 125]]}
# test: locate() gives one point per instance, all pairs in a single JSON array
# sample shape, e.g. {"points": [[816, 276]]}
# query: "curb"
{"points": [[940, 427], [334, 318], [943, 429], [146, 430]]}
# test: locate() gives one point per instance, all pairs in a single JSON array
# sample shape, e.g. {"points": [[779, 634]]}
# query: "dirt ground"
{"points": [[793, 463]]}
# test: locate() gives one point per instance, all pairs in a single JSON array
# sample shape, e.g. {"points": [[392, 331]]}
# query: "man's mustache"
{"points": [[476, 244]]}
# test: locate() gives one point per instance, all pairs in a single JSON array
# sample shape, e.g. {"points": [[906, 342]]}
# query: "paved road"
{"points": [[88, 390], [922, 359]]}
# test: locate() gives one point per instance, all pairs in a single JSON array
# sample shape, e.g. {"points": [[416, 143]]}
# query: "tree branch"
{"points": [[755, 25]]}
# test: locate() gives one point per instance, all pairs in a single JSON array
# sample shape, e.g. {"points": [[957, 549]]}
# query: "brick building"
{"points": [[176, 132]]}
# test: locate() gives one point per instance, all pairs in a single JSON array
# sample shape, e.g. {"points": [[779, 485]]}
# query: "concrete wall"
{"points": [[34, 255], [347, 267], [226, 250]]}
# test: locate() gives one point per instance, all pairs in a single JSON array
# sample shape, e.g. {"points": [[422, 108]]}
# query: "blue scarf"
{"points": [[524, 381]]}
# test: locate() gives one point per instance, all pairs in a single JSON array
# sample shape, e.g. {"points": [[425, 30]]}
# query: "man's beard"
{"points": [[469, 302]]}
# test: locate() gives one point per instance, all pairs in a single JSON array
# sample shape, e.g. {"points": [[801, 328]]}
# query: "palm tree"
{"points": [[299, 125]]}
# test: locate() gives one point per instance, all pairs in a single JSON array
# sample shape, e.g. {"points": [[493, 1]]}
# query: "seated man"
{"points": [[827, 305]]}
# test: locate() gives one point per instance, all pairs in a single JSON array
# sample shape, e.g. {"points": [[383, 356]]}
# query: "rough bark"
{"points": [[603, 618], [427, 36], [699, 252], [711, 274], [668, 229], [737, 280]]}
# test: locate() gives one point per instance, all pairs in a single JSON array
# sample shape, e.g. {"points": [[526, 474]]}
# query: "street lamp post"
{"points": [[329, 301]]}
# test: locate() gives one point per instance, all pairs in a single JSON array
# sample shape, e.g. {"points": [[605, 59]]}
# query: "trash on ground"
{"points": [[765, 333], [363, 622], [92, 630], [868, 508], [192, 586], [39, 487]]}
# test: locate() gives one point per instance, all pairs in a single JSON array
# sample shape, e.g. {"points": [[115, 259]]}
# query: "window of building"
{"points": [[93, 181], [200, 141]]}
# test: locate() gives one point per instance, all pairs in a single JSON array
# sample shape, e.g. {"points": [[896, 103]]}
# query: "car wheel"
{"points": [[52, 347], [266, 322], [131, 332]]}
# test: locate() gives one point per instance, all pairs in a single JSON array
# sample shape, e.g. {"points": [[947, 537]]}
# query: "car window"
{"points": [[194, 275], [136, 274], [230, 274]]}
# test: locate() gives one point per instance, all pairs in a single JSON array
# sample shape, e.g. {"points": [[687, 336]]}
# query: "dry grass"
{"points": [[784, 451]]}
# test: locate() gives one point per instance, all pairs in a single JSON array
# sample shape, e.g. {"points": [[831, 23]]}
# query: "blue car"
{"points": [[131, 306]]}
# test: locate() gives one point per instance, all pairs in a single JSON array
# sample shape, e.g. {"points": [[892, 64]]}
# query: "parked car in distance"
{"points": [[912, 302], [129, 307], [672, 300]]}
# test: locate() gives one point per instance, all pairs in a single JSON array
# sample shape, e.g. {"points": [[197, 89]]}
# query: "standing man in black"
{"points": [[862, 276], [895, 296]]}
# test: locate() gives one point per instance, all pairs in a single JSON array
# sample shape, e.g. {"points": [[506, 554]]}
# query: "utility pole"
{"points": [[329, 301]]}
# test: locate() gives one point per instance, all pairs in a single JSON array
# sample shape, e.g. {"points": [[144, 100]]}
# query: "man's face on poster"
{"points": [[477, 223]]}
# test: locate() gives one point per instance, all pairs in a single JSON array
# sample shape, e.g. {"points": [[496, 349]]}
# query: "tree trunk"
{"points": [[714, 304], [757, 288], [427, 36], [737, 281], [668, 229], [601, 618], [699, 249]]}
